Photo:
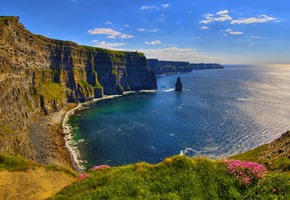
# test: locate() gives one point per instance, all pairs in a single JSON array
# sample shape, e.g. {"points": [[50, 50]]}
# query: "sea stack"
{"points": [[178, 85]]}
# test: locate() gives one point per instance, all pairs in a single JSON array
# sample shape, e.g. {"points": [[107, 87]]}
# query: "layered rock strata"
{"points": [[40, 76]]}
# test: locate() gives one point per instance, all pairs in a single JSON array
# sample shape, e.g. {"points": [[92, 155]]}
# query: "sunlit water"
{"points": [[219, 113]]}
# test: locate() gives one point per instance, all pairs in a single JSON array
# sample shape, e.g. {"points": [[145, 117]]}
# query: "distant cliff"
{"points": [[167, 67], [38, 76], [206, 66]]}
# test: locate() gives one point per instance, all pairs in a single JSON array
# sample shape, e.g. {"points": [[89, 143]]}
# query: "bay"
{"points": [[218, 113]]}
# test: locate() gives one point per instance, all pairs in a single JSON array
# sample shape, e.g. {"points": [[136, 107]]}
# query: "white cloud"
{"points": [[165, 5], [109, 22], [74, 1], [231, 32], [154, 42], [147, 7], [126, 36], [148, 30], [126, 25], [220, 16], [222, 12], [223, 15], [105, 45], [254, 20], [153, 30], [178, 54], [204, 28], [110, 32], [141, 29], [105, 31], [256, 37]]}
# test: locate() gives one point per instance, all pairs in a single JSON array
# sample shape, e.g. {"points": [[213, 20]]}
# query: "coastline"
{"points": [[70, 143]]}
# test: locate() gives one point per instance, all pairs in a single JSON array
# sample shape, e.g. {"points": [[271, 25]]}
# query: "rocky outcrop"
{"points": [[39, 76], [168, 67], [178, 85], [277, 150]]}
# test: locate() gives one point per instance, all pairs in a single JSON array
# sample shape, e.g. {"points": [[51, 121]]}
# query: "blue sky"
{"points": [[224, 31]]}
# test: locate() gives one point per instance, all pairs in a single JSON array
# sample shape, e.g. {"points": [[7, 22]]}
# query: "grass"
{"points": [[51, 91], [15, 163], [66, 170], [98, 85], [177, 177], [269, 156], [251, 155], [114, 72], [24, 179], [85, 84], [3, 19]]}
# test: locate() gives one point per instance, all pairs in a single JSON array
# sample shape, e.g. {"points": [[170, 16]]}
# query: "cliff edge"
{"points": [[40, 76]]}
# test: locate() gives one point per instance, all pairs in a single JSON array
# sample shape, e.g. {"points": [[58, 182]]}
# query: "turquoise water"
{"points": [[219, 113]]}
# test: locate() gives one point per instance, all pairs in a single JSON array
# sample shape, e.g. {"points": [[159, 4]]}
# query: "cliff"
{"points": [[275, 155], [39, 76], [167, 67], [206, 66]]}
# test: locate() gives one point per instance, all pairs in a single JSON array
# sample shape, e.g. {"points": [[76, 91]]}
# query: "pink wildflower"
{"points": [[246, 172], [83, 176], [100, 167]]}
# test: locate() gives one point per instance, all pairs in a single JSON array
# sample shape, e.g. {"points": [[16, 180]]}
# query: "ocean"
{"points": [[219, 113]]}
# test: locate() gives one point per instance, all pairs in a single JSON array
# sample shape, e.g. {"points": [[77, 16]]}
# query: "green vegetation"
{"points": [[101, 50], [114, 72], [18, 163], [15, 163], [57, 168], [177, 177], [98, 85], [51, 91], [273, 186], [6, 130], [251, 155], [85, 84], [4, 19], [280, 164], [275, 156]]}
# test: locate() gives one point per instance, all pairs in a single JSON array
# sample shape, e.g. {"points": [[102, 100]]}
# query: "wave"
{"points": [[168, 90], [70, 143]]}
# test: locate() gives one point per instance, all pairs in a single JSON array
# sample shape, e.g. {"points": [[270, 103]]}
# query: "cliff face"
{"points": [[206, 66], [167, 67], [38, 76]]}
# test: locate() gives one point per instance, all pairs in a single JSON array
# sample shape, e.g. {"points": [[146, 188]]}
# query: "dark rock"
{"points": [[178, 85]]}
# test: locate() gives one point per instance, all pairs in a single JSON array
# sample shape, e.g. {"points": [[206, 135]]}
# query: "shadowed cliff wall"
{"points": [[39, 76]]}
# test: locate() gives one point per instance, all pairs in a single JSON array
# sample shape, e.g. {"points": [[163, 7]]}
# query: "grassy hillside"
{"points": [[178, 177], [23, 179], [275, 155]]}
